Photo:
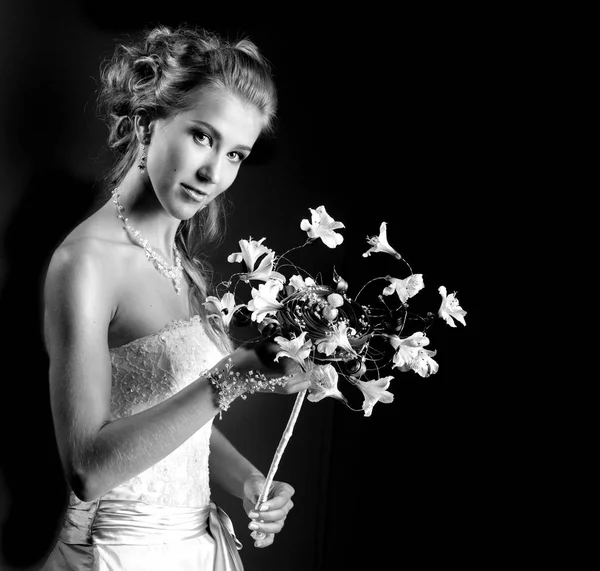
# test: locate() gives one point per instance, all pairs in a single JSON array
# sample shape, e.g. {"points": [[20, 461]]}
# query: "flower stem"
{"points": [[289, 429], [282, 257]]}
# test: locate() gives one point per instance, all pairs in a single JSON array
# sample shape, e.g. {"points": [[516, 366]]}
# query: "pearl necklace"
{"points": [[174, 272]]}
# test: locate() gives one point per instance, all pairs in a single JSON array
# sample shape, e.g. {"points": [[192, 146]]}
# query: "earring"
{"points": [[142, 163]]}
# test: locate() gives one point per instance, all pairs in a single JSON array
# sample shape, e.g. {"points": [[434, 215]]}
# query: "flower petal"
{"points": [[223, 308], [380, 243], [336, 337], [322, 226], [450, 309], [296, 349], [324, 379], [405, 288], [264, 300], [374, 392]]}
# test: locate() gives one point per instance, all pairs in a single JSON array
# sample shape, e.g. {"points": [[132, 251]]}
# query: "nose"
{"points": [[210, 169]]}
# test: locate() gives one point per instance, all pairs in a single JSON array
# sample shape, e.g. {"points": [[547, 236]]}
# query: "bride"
{"points": [[137, 370]]}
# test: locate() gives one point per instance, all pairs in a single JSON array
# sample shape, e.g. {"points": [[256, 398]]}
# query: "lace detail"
{"points": [[147, 371]]}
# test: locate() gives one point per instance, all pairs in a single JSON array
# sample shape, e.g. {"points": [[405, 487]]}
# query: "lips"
{"points": [[193, 193]]}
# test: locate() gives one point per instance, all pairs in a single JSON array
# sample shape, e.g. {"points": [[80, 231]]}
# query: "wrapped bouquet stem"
{"points": [[285, 438]]}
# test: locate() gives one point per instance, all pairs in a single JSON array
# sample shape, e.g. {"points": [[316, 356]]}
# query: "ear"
{"points": [[143, 127]]}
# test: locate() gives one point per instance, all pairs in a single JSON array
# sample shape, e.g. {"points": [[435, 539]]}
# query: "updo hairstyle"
{"points": [[157, 74]]}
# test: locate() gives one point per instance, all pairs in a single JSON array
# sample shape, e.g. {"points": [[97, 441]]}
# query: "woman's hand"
{"points": [[271, 520], [260, 355], [296, 383]]}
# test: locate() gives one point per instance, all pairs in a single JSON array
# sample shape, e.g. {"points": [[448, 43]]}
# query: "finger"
{"points": [[296, 378], [276, 511], [271, 515], [278, 493], [268, 540], [278, 500], [297, 387], [253, 489], [280, 497], [290, 389], [266, 527]]}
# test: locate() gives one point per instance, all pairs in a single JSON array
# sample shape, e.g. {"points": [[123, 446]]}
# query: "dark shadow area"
{"points": [[406, 483], [29, 462]]}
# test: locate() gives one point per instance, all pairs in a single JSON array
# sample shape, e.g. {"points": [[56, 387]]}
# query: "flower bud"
{"points": [[330, 313], [335, 300], [342, 285]]}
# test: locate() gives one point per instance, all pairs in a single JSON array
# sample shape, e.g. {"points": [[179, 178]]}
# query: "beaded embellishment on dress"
{"points": [[147, 371]]}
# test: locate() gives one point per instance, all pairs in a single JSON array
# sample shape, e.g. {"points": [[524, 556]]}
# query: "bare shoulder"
{"points": [[83, 259], [90, 252], [83, 280], [79, 289]]}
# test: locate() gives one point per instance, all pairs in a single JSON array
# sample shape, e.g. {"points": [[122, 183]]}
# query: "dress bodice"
{"points": [[163, 518], [147, 371]]}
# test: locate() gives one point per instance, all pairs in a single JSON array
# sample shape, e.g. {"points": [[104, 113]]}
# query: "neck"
{"points": [[145, 213]]}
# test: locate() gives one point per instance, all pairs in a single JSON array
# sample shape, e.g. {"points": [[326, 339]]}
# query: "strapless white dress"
{"points": [[163, 519]]}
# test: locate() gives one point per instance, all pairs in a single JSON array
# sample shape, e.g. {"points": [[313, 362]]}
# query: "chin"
{"points": [[181, 212], [187, 213], [189, 207]]}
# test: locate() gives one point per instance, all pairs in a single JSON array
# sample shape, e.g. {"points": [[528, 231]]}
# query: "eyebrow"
{"points": [[217, 134]]}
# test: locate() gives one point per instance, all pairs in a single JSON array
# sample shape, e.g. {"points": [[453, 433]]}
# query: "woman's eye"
{"points": [[236, 157], [203, 138]]}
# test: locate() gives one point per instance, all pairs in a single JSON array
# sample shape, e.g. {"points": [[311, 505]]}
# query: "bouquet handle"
{"points": [[287, 434]]}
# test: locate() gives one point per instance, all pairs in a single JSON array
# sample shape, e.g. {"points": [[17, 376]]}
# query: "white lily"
{"points": [[406, 349], [264, 300], [252, 251], [323, 379], [374, 391], [411, 355], [417, 339], [424, 365], [380, 243], [297, 349], [322, 226], [450, 309], [264, 272], [405, 288], [298, 282], [224, 308], [337, 337]]}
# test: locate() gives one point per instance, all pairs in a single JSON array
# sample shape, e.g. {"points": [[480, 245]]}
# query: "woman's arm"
{"points": [[99, 453], [228, 467]]}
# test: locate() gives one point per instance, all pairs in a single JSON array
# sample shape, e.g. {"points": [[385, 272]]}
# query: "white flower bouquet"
{"points": [[331, 334]]}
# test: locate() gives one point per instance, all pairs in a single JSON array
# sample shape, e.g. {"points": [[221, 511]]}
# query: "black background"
{"points": [[383, 116]]}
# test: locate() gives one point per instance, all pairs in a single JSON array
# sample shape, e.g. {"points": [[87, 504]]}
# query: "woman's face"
{"points": [[195, 155]]}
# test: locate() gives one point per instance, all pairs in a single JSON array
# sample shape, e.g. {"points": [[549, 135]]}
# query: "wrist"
{"points": [[229, 383], [225, 384], [253, 484], [253, 477]]}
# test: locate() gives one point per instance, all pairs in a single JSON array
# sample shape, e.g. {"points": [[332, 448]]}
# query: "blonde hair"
{"points": [[157, 74]]}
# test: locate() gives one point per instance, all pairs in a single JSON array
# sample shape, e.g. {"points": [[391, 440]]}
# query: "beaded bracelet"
{"points": [[230, 385]]}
